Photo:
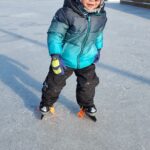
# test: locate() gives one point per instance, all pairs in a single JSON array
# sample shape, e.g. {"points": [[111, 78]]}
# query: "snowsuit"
{"points": [[77, 36]]}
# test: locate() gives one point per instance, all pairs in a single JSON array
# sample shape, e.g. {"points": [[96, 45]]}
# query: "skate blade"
{"points": [[42, 116], [82, 113], [93, 118]]}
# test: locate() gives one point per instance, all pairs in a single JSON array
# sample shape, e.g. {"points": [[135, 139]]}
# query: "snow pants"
{"points": [[87, 80]]}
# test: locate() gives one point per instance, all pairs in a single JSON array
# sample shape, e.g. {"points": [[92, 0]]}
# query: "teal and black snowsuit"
{"points": [[77, 36]]}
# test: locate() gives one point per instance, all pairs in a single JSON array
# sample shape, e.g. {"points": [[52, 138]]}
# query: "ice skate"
{"points": [[88, 111], [45, 110]]}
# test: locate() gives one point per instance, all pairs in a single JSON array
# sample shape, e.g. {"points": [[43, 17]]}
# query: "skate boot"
{"points": [[44, 109], [90, 111]]}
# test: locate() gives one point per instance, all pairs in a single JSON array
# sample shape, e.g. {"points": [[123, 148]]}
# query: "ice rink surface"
{"points": [[122, 98]]}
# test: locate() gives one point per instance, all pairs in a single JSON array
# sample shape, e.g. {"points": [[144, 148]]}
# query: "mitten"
{"points": [[57, 64]]}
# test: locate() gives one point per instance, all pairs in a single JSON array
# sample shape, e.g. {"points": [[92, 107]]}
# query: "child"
{"points": [[75, 38]]}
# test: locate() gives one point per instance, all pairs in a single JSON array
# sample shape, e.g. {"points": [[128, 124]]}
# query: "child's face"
{"points": [[91, 4]]}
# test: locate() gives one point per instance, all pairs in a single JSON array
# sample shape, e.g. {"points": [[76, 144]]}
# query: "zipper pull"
{"points": [[88, 18]]}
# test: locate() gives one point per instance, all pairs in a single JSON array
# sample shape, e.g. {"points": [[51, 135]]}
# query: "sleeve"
{"points": [[56, 32], [99, 41]]}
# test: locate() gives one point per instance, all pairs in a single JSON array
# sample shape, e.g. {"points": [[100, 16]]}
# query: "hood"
{"points": [[77, 6]]}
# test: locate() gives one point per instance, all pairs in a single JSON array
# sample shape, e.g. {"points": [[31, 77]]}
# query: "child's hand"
{"points": [[57, 64], [97, 57]]}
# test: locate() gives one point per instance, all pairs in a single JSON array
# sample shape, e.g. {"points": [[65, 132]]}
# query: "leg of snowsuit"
{"points": [[87, 80], [53, 85]]}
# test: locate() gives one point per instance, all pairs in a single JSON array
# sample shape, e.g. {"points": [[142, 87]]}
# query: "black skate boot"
{"points": [[90, 111], [43, 109]]}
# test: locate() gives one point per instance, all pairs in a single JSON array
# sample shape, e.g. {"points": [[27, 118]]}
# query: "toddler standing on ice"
{"points": [[75, 40]]}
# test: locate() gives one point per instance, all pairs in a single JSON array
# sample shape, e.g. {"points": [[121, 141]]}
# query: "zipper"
{"points": [[84, 41]]}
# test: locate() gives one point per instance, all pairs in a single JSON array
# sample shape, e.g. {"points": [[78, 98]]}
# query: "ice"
{"points": [[122, 98]]}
